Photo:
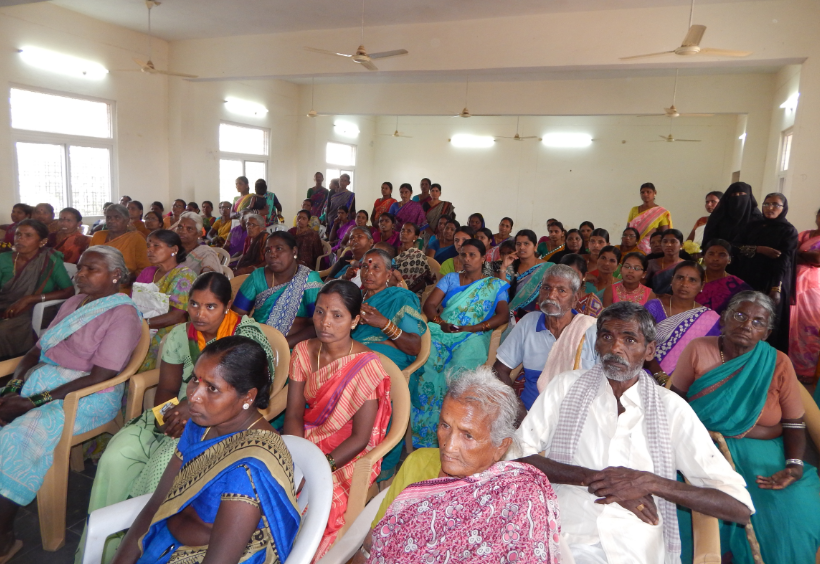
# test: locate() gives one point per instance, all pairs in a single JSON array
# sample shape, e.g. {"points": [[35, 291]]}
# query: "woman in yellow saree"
{"points": [[649, 217]]}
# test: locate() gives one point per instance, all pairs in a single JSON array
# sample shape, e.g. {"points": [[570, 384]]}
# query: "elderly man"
{"points": [[615, 441], [548, 342], [459, 499], [44, 213]]}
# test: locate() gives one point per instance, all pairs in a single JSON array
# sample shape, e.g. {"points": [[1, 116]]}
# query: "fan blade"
{"points": [[693, 36], [723, 52], [651, 115], [689, 140], [179, 74], [385, 54], [369, 66], [664, 137], [697, 115], [142, 64], [646, 55], [326, 52]]}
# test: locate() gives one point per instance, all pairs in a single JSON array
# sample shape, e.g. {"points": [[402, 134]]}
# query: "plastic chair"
{"points": [[37, 315], [228, 272], [326, 250], [346, 547], [435, 267], [495, 342], [51, 498], [236, 283], [308, 461], [71, 269], [424, 354], [224, 256]]}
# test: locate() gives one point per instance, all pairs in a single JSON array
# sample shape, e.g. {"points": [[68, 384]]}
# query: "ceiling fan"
{"points": [[396, 133], [465, 113], [148, 66], [313, 113], [672, 111], [361, 56], [691, 44], [671, 139], [517, 137]]}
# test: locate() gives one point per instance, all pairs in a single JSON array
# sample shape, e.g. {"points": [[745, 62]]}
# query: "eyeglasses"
{"points": [[771, 205], [630, 267], [757, 323]]}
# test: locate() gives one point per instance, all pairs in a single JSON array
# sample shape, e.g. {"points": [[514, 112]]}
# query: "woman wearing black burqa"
{"points": [[735, 210], [764, 257]]}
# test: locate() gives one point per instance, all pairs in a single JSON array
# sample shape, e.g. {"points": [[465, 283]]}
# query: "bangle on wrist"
{"points": [[661, 377], [42, 298], [793, 425], [331, 461], [40, 399], [12, 387], [794, 462]]}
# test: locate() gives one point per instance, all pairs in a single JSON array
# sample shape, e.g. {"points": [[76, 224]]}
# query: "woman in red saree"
{"points": [[648, 217], [347, 393], [383, 204]]}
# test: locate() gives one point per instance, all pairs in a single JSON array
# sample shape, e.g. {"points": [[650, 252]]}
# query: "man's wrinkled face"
{"points": [[556, 297], [623, 349]]}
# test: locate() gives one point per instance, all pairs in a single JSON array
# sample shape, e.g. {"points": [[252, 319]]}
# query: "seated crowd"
{"points": [[571, 400]]}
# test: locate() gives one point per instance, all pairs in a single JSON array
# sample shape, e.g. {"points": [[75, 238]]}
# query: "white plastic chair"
{"points": [[227, 272], [71, 269], [37, 315], [309, 462], [224, 256], [345, 547]]}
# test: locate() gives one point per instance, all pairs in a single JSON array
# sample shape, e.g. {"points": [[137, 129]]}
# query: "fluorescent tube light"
{"points": [[62, 64], [743, 137], [565, 140], [465, 140], [791, 103], [346, 129], [245, 108]]}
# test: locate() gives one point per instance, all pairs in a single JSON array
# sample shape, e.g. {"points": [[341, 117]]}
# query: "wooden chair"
{"points": [[326, 250], [360, 491], [142, 387], [236, 283], [51, 498], [435, 267], [424, 354], [228, 272]]}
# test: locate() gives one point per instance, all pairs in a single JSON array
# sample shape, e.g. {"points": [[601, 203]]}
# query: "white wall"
{"points": [[141, 100], [787, 83]]}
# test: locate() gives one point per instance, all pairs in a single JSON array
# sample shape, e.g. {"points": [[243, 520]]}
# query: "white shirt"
{"points": [[609, 440]]}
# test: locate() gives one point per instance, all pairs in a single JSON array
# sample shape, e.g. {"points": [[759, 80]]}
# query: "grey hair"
{"points": [[495, 398], [113, 258], [117, 208], [195, 217], [566, 273], [364, 230], [388, 262], [257, 217], [627, 311], [753, 297]]}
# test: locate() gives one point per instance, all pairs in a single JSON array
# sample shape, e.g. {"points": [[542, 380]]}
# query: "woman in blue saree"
{"points": [[744, 389], [283, 293], [472, 307], [228, 494], [89, 342], [524, 271]]}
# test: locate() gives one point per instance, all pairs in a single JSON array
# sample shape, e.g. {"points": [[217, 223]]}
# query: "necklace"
{"points": [[14, 267], [248, 428], [154, 278], [720, 348], [319, 354], [694, 305]]}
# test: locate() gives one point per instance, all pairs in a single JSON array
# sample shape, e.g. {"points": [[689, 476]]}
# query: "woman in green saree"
{"points": [[524, 271], [744, 389], [283, 293], [473, 307]]}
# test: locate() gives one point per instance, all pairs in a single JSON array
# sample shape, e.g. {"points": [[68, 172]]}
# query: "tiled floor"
{"points": [[27, 525]]}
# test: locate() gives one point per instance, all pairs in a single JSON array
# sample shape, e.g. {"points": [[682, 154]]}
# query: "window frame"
{"points": [[245, 157], [66, 141], [349, 169], [784, 152]]}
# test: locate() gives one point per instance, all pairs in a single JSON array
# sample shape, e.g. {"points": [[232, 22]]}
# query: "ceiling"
{"points": [[188, 19]]}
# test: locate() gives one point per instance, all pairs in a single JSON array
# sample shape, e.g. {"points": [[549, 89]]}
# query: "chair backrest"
{"points": [[424, 354], [236, 283], [37, 315], [150, 394], [227, 272], [71, 269], [224, 256], [282, 362], [310, 463], [435, 267], [495, 342]]}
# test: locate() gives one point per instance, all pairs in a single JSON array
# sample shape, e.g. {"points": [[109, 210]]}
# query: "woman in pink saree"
{"points": [[804, 332], [408, 210], [649, 217]]}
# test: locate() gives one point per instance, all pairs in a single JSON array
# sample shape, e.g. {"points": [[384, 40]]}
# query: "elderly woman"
{"points": [[167, 276], [198, 258], [69, 240], [680, 319], [253, 251], [524, 271], [472, 307], [31, 273], [720, 286], [744, 389], [659, 271], [411, 262], [466, 480], [649, 216], [361, 241], [308, 244], [130, 243], [138, 454], [453, 264], [229, 467], [383, 204], [346, 391], [90, 341], [408, 210], [283, 293]]}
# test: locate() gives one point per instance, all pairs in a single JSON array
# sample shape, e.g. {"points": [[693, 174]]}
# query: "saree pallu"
{"points": [[661, 281], [334, 394], [647, 223], [435, 212], [394, 240], [280, 305], [341, 232], [72, 246], [132, 246], [318, 198], [525, 289], [508, 513], [804, 329], [379, 207], [253, 252], [242, 202], [237, 235], [729, 400], [674, 333], [27, 443], [250, 466], [411, 212], [717, 293], [338, 199], [544, 253], [452, 353]]}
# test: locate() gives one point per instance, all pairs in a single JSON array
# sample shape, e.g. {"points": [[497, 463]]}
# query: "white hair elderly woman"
{"points": [[460, 497], [89, 341], [199, 258], [253, 252]]}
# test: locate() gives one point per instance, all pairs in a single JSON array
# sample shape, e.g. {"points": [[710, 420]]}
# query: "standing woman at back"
{"points": [[649, 217], [766, 256], [736, 208]]}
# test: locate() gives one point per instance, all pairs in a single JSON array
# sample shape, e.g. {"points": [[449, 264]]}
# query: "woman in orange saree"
{"points": [[648, 217], [347, 393]]}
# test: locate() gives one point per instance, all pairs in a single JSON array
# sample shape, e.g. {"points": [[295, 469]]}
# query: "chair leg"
{"points": [[76, 462], [51, 506]]}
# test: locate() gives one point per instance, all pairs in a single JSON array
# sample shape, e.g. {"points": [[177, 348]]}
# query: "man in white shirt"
{"points": [[548, 341], [614, 441]]}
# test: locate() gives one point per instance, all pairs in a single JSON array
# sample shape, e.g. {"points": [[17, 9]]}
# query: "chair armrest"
{"points": [[107, 521], [706, 539], [9, 366], [37, 315], [137, 386], [319, 260], [345, 547]]}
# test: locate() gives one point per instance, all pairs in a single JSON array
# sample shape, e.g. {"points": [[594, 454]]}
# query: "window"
{"points": [[243, 151], [64, 150], [785, 155], [343, 156]]}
